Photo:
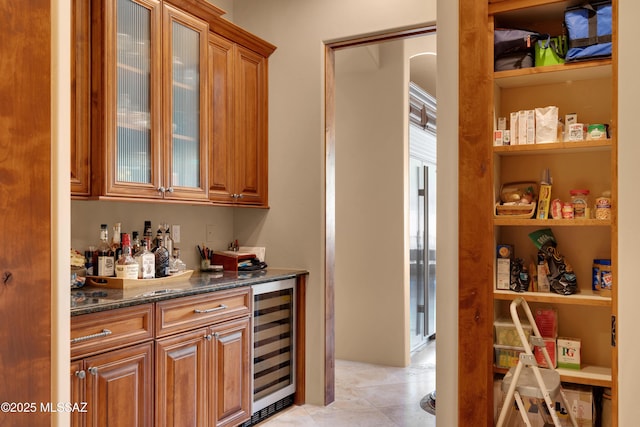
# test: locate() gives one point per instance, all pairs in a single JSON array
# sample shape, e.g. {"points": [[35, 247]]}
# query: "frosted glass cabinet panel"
{"points": [[186, 106], [186, 44], [134, 155], [151, 114]]}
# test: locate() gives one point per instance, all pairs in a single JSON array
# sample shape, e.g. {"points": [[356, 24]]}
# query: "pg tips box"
{"points": [[568, 353]]}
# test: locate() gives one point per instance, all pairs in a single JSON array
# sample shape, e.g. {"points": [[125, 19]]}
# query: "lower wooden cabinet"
{"points": [[180, 362], [231, 359], [203, 377], [116, 386], [181, 379]]}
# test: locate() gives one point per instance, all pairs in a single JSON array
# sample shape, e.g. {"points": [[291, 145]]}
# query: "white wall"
{"points": [[294, 228], [86, 217], [371, 284], [629, 206], [447, 237], [60, 210]]}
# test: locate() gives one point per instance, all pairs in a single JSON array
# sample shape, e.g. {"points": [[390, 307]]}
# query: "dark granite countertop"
{"points": [[90, 299]]}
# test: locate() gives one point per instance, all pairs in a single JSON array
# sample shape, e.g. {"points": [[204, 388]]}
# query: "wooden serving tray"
{"points": [[120, 283]]}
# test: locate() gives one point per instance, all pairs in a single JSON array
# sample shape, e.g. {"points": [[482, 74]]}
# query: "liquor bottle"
{"points": [[159, 238], [146, 261], [116, 237], [176, 265], [168, 241], [135, 242], [148, 234], [103, 257], [162, 256], [126, 267]]}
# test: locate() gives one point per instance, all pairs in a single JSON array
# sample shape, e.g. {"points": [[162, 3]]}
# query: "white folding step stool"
{"points": [[527, 379]]}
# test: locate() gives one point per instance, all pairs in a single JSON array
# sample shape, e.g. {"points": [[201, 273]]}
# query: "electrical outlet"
{"points": [[175, 233], [210, 232]]}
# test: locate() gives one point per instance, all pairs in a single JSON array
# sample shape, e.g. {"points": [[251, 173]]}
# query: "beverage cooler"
{"points": [[273, 348]]}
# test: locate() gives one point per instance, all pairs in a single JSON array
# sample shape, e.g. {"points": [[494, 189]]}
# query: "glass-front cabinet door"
{"points": [[133, 98], [185, 107], [153, 57]]}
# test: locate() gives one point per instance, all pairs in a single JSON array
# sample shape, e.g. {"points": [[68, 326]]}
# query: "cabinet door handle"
{"points": [[208, 337], [81, 374], [93, 370], [240, 196], [170, 190], [210, 310], [104, 333]]}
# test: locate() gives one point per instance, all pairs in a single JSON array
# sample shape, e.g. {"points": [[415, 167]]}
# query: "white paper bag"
{"points": [[546, 124]]}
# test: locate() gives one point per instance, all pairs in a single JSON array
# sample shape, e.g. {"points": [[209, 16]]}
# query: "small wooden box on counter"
{"points": [[229, 259]]}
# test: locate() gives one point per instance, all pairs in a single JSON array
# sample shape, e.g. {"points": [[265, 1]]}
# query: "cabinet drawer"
{"points": [[107, 330], [186, 313]]}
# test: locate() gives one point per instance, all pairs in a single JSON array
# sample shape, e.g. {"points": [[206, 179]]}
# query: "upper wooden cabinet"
{"points": [[169, 103], [149, 131], [239, 142], [80, 99]]}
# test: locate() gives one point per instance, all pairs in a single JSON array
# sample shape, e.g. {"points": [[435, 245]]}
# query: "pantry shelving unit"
{"points": [[588, 88]]}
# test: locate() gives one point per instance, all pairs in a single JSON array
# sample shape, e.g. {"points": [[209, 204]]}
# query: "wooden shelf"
{"points": [[556, 147], [537, 76], [582, 299], [552, 6], [588, 375], [506, 221]]}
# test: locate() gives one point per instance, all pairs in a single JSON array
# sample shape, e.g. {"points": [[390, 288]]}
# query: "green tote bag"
{"points": [[550, 50]]}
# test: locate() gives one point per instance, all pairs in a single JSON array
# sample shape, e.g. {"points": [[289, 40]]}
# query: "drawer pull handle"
{"points": [[104, 333], [210, 310]]}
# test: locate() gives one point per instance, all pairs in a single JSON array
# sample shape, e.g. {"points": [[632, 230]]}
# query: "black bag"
{"points": [[514, 61], [513, 49]]}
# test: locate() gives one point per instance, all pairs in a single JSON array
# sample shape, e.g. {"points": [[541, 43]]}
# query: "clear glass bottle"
{"points": [[176, 265], [146, 261], [103, 257], [116, 240], [161, 257], [126, 266]]}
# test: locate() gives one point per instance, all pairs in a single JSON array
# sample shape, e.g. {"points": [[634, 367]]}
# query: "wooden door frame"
{"points": [[330, 172]]}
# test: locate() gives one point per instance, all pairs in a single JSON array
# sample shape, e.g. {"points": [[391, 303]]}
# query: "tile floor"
{"points": [[371, 396]]}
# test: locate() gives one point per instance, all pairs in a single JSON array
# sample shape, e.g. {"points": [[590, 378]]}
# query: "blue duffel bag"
{"points": [[589, 30]]}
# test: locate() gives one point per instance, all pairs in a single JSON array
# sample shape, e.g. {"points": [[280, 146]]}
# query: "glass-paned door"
{"points": [[133, 147], [187, 57]]}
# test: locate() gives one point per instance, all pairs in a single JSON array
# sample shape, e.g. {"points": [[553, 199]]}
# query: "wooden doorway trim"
{"points": [[330, 184]]}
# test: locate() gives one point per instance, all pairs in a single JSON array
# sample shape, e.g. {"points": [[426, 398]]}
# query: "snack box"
{"points": [[550, 343], [569, 353], [547, 321], [506, 333], [506, 356]]}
